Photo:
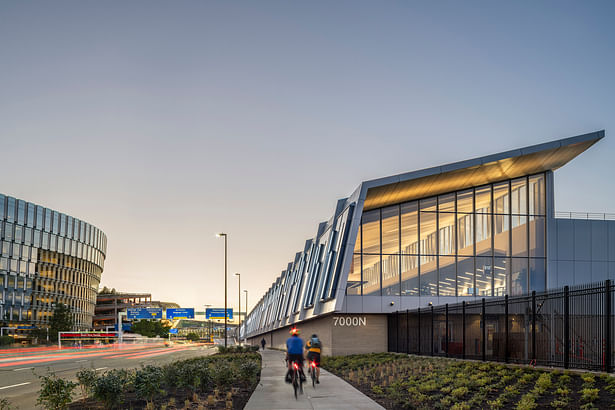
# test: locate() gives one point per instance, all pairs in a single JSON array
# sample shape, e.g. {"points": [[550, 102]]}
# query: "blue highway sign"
{"points": [[144, 313], [181, 313], [216, 313]]}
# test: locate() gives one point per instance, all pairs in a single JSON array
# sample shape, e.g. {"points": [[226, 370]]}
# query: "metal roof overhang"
{"points": [[476, 172]]}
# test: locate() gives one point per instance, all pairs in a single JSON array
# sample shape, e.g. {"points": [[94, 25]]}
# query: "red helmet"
{"points": [[294, 331]]}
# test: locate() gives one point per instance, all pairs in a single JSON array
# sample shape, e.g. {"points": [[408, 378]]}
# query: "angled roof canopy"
{"points": [[478, 171]]}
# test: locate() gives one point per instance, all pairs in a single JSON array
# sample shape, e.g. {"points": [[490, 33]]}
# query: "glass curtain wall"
{"points": [[483, 241]]}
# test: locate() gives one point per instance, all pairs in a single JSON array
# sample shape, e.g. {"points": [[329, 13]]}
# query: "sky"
{"points": [[163, 122]]}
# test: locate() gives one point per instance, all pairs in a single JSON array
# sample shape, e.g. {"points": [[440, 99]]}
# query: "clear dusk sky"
{"points": [[164, 122]]}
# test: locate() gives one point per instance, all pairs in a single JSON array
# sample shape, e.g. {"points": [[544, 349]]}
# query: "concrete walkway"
{"points": [[332, 393]]}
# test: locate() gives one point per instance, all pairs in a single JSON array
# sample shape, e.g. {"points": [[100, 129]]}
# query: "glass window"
{"points": [[429, 276], [69, 232], [21, 212], [390, 230], [409, 228], [47, 220], [483, 235], [37, 239], [11, 283], [429, 233], [2, 201], [538, 277], [371, 231], [4, 262], [62, 225], [357, 244], [501, 269], [501, 198], [465, 201], [446, 202], [518, 276], [501, 241], [39, 217], [8, 231], [537, 236], [45, 241], [484, 276], [371, 275], [56, 223], [390, 275], [6, 248], [447, 272], [446, 233], [465, 276], [428, 204], [537, 195], [519, 235], [30, 221], [28, 236], [465, 234], [353, 285], [483, 199], [518, 195], [10, 209], [409, 275], [18, 233]]}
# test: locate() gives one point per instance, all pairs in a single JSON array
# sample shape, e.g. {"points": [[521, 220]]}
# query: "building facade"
{"points": [[480, 228], [47, 257]]}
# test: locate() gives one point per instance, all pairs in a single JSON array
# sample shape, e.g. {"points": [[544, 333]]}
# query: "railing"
{"points": [[585, 215], [570, 327]]}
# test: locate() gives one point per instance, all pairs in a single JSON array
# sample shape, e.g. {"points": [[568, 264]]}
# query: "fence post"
{"points": [[446, 331], [534, 326], [506, 329], [432, 352], [484, 332], [607, 326], [463, 329], [418, 314], [566, 327]]}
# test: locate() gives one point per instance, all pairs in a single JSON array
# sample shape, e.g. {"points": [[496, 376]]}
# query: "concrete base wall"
{"points": [[340, 334]]}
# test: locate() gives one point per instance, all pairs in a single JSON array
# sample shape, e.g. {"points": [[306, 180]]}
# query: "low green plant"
{"points": [[86, 379], [148, 382], [459, 392], [56, 393], [589, 395], [6, 340], [559, 403], [111, 386], [5, 404]]}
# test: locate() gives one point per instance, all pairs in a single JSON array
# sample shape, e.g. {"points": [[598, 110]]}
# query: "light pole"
{"points": [[211, 337], [245, 332], [239, 312], [225, 282]]}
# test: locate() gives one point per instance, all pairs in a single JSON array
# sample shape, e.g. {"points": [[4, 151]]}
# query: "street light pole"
{"points": [[245, 333], [211, 336], [239, 312], [225, 285]]}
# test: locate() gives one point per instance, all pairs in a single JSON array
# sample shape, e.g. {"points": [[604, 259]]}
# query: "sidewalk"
{"points": [[332, 392]]}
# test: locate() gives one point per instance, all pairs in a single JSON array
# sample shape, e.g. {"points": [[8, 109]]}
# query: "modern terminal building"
{"points": [[47, 257], [474, 229]]}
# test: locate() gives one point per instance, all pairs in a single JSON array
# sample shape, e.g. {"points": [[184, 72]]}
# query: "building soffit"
{"points": [[475, 172]]}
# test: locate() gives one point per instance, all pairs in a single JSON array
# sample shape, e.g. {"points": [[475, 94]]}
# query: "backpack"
{"points": [[314, 342]]}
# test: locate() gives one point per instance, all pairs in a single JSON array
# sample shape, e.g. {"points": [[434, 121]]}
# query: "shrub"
{"points": [[55, 393], [86, 379], [5, 404], [222, 374], [111, 387], [6, 340], [589, 395], [148, 382], [193, 337], [459, 392]]}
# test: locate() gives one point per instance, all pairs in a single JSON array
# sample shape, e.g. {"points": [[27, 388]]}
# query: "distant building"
{"points": [[47, 257], [108, 305]]}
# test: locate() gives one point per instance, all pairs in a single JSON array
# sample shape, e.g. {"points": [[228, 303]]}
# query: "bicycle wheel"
{"points": [[295, 382]]}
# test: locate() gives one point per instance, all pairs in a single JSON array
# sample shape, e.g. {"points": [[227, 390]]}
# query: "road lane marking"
{"points": [[14, 385], [23, 368], [101, 368], [81, 361]]}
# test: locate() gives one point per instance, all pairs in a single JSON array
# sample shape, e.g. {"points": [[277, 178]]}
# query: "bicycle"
{"points": [[297, 380], [312, 370]]}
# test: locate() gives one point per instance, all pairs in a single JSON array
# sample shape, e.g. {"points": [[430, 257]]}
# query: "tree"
{"points": [[150, 328], [192, 337], [61, 321]]}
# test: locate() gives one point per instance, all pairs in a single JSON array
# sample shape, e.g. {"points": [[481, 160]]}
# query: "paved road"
{"points": [[19, 368]]}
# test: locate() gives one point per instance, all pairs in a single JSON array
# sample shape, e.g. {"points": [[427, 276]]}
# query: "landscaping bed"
{"points": [[400, 381], [221, 381]]}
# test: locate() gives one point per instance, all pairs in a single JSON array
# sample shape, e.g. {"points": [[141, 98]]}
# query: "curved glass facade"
{"points": [[47, 257]]}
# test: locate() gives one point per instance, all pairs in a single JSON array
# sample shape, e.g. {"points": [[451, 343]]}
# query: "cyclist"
{"points": [[294, 353], [313, 347]]}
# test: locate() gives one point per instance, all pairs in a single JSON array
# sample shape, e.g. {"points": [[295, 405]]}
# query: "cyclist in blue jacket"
{"points": [[294, 353]]}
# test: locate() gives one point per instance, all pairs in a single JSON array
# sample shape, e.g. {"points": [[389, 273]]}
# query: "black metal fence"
{"points": [[570, 327]]}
